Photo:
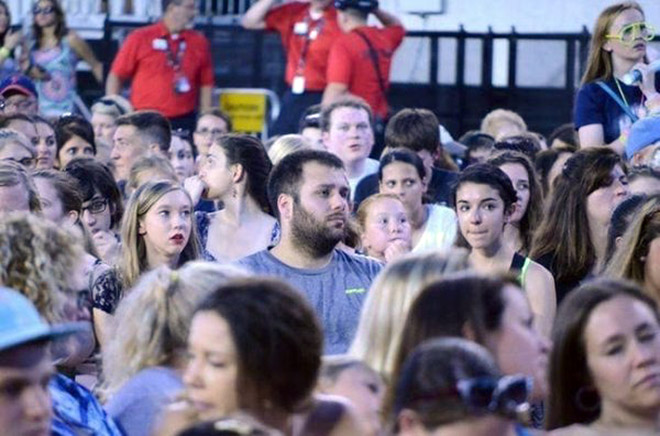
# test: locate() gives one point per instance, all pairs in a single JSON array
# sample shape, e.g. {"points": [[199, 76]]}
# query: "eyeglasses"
{"points": [[45, 10], [212, 132], [96, 207], [630, 33]]}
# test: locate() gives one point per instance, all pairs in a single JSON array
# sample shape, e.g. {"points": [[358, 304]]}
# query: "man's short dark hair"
{"points": [[414, 129], [350, 102], [151, 126], [287, 174]]}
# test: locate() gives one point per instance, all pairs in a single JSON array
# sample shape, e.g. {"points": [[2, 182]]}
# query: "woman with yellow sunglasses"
{"points": [[606, 107]]}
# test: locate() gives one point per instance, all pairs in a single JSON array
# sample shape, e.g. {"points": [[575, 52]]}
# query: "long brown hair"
{"points": [[571, 401], [564, 229], [532, 215], [599, 62], [60, 23], [629, 259]]}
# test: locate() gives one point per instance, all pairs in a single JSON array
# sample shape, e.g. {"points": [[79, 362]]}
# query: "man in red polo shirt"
{"points": [[361, 57], [169, 65], [308, 30]]}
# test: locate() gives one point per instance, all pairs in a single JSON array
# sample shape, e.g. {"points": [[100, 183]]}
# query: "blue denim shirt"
{"points": [[77, 412]]}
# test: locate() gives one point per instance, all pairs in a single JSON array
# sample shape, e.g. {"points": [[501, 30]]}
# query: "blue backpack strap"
{"points": [[618, 100]]}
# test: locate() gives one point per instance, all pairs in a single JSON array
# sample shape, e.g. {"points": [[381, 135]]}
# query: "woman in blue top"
{"points": [[54, 54], [605, 106]]}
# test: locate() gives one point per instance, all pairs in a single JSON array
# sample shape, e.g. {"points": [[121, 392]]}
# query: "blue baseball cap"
{"points": [[642, 134], [18, 83], [20, 322]]}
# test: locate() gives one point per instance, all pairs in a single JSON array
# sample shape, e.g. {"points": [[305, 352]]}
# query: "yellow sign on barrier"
{"points": [[247, 111]]}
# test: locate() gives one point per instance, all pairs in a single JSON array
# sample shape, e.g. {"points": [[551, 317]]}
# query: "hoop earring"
{"points": [[587, 399]]}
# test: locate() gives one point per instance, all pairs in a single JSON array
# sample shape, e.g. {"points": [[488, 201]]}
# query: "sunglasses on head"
{"points": [[506, 395]]}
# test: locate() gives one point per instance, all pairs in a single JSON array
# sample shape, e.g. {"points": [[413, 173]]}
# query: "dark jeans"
{"points": [[293, 106]]}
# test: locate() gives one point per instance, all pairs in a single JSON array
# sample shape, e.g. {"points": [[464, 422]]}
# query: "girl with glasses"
{"points": [[53, 56], [102, 205], [61, 203], [605, 106]]}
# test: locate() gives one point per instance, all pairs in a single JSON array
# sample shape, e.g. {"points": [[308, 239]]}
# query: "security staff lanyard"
{"points": [[175, 59], [298, 84]]}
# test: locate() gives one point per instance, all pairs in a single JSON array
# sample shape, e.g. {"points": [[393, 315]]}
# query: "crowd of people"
{"points": [[359, 274]]}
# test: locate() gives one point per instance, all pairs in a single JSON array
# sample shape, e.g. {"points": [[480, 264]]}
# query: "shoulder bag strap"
{"points": [[373, 54]]}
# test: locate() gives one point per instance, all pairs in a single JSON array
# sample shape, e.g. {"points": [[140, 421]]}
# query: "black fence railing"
{"points": [[256, 59]]}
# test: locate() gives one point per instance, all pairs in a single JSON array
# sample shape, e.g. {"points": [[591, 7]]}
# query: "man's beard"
{"points": [[312, 236]]}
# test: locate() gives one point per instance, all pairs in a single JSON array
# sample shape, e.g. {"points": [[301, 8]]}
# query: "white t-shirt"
{"points": [[439, 230], [370, 167]]}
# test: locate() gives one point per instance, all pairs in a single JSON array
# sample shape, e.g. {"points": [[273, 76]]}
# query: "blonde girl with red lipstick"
{"points": [[605, 106], [485, 201], [157, 229]]}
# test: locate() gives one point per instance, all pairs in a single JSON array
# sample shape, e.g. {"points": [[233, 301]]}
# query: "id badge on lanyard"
{"points": [[180, 84], [304, 28]]}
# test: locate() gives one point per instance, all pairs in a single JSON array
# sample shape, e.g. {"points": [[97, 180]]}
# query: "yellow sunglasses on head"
{"points": [[629, 33]]}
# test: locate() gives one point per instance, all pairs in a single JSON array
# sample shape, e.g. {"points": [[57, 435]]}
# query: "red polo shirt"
{"points": [[351, 64], [143, 58], [284, 19]]}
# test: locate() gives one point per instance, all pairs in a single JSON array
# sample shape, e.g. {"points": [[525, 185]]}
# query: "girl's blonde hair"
{"points": [[599, 62], [629, 258], [390, 296], [37, 259], [152, 322], [134, 252], [285, 145]]}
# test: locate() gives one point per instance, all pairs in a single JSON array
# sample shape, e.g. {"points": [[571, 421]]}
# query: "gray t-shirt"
{"points": [[336, 291], [137, 406]]}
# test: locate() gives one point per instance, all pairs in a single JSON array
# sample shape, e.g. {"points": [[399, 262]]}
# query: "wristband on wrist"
{"points": [[623, 138], [5, 52]]}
